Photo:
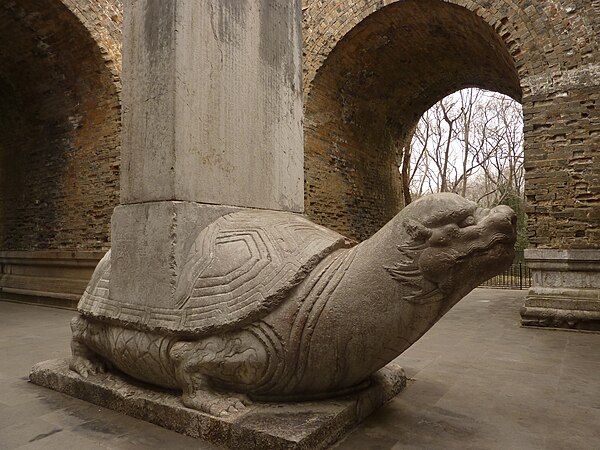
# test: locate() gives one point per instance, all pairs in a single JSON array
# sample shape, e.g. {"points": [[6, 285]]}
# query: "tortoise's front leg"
{"points": [[84, 360], [199, 394], [229, 361]]}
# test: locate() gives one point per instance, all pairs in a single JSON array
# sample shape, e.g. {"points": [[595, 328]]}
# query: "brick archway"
{"points": [[59, 143], [373, 88], [102, 20], [544, 54], [360, 98], [540, 35], [60, 136]]}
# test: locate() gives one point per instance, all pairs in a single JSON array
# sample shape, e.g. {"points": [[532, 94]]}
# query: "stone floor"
{"points": [[478, 381]]}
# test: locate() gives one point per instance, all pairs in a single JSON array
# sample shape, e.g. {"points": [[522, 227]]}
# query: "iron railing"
{"points": [[517, 276]]}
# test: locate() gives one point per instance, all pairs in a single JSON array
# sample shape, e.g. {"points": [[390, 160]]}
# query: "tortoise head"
{"points": [[450, 245]]}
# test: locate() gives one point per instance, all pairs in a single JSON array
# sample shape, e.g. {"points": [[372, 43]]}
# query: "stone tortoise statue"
{"points": [[274, 307]]}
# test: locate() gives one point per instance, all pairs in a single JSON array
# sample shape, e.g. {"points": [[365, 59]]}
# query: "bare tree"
{"points": [[470, 143], [500, 149]]}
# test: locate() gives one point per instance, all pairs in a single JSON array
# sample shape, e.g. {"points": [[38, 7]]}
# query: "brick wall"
{"points": [[59, 124], [562, 158]]}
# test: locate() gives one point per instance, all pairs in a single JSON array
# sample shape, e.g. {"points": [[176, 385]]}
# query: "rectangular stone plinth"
{"points": [[306, 425], [150, 244], [565, 292]]}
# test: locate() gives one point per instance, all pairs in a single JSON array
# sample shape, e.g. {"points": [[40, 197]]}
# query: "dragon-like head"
{"points": [[449, 246]]}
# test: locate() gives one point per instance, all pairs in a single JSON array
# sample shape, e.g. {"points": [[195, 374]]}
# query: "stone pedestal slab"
{"points": [[307, 425], [565, 291]]}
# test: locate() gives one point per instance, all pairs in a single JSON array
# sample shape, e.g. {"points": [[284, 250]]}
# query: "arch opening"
{"points": [[370, 93]]}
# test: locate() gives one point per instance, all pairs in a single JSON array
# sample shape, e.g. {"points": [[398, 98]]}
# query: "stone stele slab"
{"points": [[305, 425]]}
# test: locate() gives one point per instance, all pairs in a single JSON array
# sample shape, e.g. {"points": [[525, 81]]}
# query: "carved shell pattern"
{"points": [[239, 268]]}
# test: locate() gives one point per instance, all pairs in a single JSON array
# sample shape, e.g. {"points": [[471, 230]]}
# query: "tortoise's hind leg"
{"points": [[84, 361], [221, 360]]}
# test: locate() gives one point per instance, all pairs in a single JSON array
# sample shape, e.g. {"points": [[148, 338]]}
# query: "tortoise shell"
{"points": [[238, 269]]}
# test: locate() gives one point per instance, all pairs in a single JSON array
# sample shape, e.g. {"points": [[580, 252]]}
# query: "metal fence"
{"points": [[518, 275]]}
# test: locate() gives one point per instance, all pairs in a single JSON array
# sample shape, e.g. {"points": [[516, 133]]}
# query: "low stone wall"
{"points": [[46, 277]]}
